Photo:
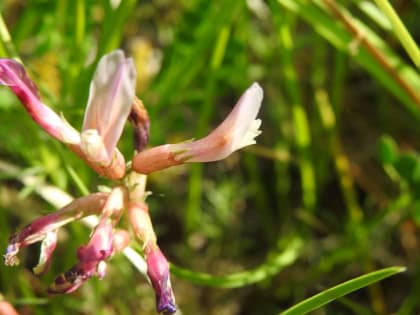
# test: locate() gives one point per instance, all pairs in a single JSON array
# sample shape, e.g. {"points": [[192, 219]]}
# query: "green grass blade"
{"points": [[340, 290], [240, 279], [300, 120], [400, 31], [399, 78], [6, 45]]}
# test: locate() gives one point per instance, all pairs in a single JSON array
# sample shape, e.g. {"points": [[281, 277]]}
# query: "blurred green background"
{"points": [[331, 190]]}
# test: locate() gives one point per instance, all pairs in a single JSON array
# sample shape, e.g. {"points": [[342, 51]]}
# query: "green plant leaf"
{"points": [[340, 290], [388, 150]]}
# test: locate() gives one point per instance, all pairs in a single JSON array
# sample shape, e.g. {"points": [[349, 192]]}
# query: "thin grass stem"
{"points": [[400, 31]]}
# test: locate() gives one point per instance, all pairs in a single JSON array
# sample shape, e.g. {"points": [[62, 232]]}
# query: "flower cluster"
{"points": [[111, 103]]}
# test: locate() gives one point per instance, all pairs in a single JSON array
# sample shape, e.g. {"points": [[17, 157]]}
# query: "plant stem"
{"points": [[300, 120]]}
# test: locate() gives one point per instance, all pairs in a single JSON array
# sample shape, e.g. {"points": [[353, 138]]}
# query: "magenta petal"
{"points": [[91, 260], [13, 75], [100, 245]]}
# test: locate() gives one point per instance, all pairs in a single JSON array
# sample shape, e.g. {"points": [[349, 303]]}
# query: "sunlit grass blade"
{"points": [[299, 116], [340, 290], [380, 61], [6, 44], [273, 266], [400, 31]]}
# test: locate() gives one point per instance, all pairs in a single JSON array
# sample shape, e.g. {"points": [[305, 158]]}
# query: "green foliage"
{"points": [[331, 191]]}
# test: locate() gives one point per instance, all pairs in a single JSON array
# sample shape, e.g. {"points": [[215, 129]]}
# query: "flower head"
{"points": [[111, 102]]}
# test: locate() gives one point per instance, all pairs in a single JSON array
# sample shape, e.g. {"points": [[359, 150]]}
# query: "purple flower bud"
{"points": [[139, 118], [158, 272]]}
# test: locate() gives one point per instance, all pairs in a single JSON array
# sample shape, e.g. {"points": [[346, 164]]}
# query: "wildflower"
{"points": [[110, 99], [111, 103], [239, 129]]}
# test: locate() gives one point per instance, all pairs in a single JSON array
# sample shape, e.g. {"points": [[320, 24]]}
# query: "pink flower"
{"points": [[111, 102], [238, 130], [111, 96]]}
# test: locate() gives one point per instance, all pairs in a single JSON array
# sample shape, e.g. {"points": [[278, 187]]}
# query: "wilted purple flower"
{"points": [[44, 228], [92, 260], [93, 256], [238, 130]]}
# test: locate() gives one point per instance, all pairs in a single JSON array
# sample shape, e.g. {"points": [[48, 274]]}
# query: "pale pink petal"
{"points": [[111, 95], [238, 130]]}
